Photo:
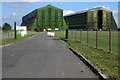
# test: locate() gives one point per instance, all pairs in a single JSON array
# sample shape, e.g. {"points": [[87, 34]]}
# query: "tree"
{"points": [[6, 27], [0, 28], [38, 29]]}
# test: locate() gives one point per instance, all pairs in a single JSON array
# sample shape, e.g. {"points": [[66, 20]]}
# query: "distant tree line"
{"points": [[7, 27], [38, 29]]}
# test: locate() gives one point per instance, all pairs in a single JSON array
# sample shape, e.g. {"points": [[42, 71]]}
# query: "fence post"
{"points": [[81, 35], [75, 35], [96, 38], [8, 35], [110, 41], [87, 36], [15, 31], [66, 35], [71, 34]]}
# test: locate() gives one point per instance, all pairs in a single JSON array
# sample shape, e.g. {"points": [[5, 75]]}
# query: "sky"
{"points": [[14, 11], [60, 0]]}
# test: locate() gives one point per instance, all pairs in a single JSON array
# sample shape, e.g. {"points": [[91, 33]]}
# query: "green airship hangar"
{"points": [[52, 17]]}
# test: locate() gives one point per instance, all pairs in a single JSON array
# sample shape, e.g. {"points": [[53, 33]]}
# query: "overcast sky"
{"points": [[14, 11]]}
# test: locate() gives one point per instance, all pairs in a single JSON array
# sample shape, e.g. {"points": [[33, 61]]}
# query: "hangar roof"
{"points": [[84, 11]]}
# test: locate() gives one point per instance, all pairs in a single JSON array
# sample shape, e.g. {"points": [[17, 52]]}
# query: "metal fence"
{"points": [[7, 35], [105, 40]]}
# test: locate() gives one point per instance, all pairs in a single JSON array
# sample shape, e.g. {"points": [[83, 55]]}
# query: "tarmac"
{"points": [[41, 56]]}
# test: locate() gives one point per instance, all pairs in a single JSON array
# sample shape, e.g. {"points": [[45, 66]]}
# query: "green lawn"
{"points": [[106, 62], [60, 34], [10, 39], [103, 39]]}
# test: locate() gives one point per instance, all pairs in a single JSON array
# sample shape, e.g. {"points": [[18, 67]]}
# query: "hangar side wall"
{"points": [[77, 21], [29, 19], [108, 20], [45, 17], [91, 19]]}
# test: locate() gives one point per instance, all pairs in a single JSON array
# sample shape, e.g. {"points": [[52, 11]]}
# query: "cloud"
{"points": [[115, 14], [67, 12], [106, 7], [21, 0], [15, 4], [18, 4], [115, 11], [85, 9], [11, 18], [13, 14]]}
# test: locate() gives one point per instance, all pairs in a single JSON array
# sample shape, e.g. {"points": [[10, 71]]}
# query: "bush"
{"points": [[29, 28], [6, 27], [37, 29]]}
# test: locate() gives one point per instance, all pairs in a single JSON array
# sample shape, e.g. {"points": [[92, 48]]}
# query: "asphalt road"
{"points": [[42, 57]]}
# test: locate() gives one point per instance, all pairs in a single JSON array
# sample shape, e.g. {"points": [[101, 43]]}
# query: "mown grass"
{"points": [[60, 34], [103, 39], [6, 40], [106, 62]]}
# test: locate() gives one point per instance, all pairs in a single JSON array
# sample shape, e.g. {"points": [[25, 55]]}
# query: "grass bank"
{"points": [[10, 40], [106, 62]]}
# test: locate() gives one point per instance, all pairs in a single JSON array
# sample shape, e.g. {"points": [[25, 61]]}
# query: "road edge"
{"points": [[94, 69]]}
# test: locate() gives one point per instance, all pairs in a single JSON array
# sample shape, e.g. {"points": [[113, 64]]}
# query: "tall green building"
{"points": [[97, 18], [45, 17]]}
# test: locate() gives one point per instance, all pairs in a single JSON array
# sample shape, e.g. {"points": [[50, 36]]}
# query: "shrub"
{"points": [[37, 29], [6, 27]]}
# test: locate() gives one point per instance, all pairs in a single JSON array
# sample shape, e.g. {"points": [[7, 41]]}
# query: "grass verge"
{"points": [[106, 62], [12, 40]]}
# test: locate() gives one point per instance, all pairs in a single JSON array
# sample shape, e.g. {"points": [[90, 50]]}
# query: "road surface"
{"points": [[42, 57]]}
